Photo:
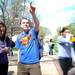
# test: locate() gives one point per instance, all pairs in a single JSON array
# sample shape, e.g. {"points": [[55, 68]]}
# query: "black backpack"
{"points": [[9, 42]]}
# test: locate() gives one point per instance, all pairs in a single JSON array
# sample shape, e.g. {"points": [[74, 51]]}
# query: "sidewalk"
{"points": [[48, 66]]}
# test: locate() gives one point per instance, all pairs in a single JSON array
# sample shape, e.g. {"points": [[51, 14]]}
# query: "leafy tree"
{"points": [[12, 11], [3, 8], [44, 31], [72, 28], [55, 45]]}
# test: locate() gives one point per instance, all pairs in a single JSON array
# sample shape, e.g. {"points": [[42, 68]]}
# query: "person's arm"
{"points": [[35, 19], [63, 41], [5, 49]]}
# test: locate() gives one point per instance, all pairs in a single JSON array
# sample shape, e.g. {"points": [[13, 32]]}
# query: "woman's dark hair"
{"points": [[3, 25], [63, 29]]}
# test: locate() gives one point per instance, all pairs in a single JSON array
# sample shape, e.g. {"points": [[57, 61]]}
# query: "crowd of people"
{"points": [[31, 48]]}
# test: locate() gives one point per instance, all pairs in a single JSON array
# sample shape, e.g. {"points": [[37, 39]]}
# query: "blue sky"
{"points": [[55, 13]]}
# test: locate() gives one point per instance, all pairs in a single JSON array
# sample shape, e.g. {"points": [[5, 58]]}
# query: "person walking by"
{"points": [[5, 46], [51, 46], [28, 45], [64, 50]]}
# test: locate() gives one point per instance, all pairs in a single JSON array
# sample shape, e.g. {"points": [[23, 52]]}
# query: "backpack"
{"points": [[9, 42], [40, 50]]}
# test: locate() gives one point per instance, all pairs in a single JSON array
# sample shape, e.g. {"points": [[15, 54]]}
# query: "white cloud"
{"points": [[52, 13]]}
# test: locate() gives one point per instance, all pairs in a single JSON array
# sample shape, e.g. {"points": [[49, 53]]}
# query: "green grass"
{"points": [[15, 49]]}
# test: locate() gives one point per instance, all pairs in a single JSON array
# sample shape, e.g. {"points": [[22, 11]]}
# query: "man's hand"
{"points": [[32, 9]]}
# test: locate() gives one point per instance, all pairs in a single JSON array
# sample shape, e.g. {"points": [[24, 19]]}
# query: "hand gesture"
{"points": [[32, 9]]}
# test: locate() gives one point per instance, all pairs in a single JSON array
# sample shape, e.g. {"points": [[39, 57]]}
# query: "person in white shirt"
{"points": [[64, 51]]}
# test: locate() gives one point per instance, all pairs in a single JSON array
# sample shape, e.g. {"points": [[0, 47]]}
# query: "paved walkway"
{"points": [[49, 66]]}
